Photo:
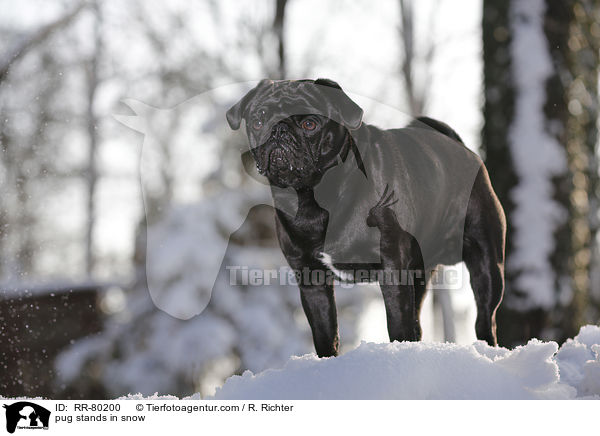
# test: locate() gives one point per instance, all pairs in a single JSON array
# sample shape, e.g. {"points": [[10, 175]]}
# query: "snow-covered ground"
{"points": [[420, 370], [258, 328], [538, 370]]}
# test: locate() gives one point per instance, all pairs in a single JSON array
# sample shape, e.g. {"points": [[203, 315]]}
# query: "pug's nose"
{"points": [[280, 129]]}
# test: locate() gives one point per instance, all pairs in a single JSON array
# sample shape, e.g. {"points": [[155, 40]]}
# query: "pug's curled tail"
{"points": [[437, 125]]}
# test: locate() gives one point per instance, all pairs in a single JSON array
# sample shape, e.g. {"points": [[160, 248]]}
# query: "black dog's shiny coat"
{"points": [[429, 198]]}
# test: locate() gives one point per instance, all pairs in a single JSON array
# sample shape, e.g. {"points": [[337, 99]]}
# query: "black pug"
{"points": [[372, 204]]}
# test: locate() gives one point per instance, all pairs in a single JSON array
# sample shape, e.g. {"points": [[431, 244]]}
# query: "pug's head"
{"points": [[297, 129]]}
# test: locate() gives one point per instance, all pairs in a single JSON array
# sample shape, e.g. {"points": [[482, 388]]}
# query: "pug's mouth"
{"points": [[279, 164], [278, 161]]}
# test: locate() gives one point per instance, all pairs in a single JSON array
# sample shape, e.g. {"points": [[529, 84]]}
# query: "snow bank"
{"points": [[409, 370], [579, 361]]}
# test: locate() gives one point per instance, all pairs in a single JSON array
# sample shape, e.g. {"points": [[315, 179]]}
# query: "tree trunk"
{"points": [[29, 42], [92, 129], [278, 26], [539, 150], [579, 51]]}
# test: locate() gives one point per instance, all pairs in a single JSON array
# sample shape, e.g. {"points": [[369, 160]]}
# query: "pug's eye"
{"points": [[257, 124], [309, 125]]}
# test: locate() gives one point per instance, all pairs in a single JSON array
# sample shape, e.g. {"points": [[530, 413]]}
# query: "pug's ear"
{"points": [[328, 82], [349, 112], [235, 113]]}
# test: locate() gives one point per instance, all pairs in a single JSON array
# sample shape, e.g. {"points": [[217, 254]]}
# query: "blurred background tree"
{"points": [[540, 145]]}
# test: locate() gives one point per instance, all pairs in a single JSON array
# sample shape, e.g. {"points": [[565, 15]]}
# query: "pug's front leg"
{"points": [[402, 279], [318, 302]]}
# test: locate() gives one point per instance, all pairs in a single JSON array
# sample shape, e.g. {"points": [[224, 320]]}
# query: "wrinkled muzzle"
{"points": [[285, 161]]}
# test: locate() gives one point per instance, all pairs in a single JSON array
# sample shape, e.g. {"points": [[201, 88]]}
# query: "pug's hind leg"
{"points": [[402, 271]]}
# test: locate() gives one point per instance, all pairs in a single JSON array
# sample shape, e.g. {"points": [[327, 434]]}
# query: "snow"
{"points": [[241, 326], [258, 328], [579, 361], [537, 158], [189, 236], [418, 370], [432, 371]]}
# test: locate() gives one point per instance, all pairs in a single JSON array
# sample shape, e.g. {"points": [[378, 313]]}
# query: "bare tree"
{"points": [[278, 26], [92, 130], [416, 93], [26, 160], [541, 106], [29, 42]]}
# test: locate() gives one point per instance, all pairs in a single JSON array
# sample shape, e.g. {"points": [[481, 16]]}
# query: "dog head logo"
{"points": [[26, 415]]}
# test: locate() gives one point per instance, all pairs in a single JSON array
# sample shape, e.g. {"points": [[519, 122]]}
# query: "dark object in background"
{"points": [[35, 326], [429, 197], [568, 34]]}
